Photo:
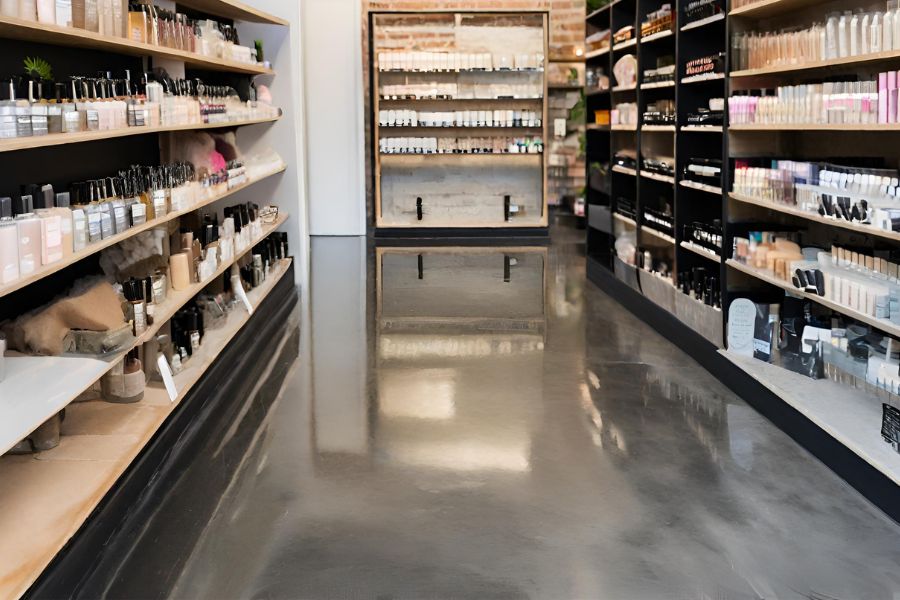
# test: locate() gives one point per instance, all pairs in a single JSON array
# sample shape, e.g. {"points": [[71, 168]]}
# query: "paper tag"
{"points": [[167, 378], [241, 294], [513, 208]]}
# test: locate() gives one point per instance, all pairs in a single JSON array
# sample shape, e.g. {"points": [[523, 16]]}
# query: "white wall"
{"points": [[335, 135], [282, 46]]}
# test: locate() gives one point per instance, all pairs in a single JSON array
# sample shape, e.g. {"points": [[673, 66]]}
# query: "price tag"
{"points": [[167, 378]]}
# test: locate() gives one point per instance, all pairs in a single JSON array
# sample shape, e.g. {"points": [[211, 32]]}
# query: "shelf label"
{"points": [[741, 326], [167, 378]]}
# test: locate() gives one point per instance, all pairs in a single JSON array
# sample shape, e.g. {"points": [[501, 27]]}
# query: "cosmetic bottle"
{"points": [[63, 13], [8, 113], [71, 118], [23, 113], [28, 10], [9, 8], [876, 34], [29, 231], [887, 27], [46, 12], [39, 112], [51, 225], [85, 15], [125, 382], [133, 290], [9, 243]]}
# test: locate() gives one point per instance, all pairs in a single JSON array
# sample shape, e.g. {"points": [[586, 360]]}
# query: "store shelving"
{"points": [[763, 9], [624, 170], [657, 85], [623, 127], [626, 220], [28, 379], [120, 237], [863, 61], [660, 35], [411, 201], [703, 128], [231, 9], [59, 139], [101, 442], [597, 53], [816, 218], [768, 277], [32, 31], [625, 45], [836, 128], [659, 128]]}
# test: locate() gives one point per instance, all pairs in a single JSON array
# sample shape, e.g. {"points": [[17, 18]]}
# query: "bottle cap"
{"points": [[24, 205], [45, 198], [6, 207], [63, 200]]}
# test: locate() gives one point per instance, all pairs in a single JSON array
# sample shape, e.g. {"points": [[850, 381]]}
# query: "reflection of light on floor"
{"points": [[461, 346], [466, 456], [417, 393], [597, 420]]}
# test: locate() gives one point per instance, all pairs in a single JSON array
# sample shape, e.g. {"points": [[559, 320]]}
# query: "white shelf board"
{"points": [[623, 127], [850, 416], [33, 391], [596, 53], [623, 219], [624, 170], [657, 85], [657, 234], [711, 189], [703, 128], [658, 177], [660, 35], [659, 128], [701, 251], [625, 45], [703, 77], [704, 22]]}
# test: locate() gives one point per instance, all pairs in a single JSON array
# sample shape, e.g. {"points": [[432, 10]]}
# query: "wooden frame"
{"points": [[375, 96]]}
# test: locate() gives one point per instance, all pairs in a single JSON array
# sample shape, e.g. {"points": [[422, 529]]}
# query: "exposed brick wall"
{"points": [[566, 16]]}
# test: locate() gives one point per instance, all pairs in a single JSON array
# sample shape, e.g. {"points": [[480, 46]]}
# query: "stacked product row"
{"points": [[142, 22], [460, 118], [431, 62], [467, 145]]}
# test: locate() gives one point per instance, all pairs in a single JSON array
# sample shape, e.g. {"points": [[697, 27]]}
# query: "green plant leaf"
{"points": [[38, 68]]}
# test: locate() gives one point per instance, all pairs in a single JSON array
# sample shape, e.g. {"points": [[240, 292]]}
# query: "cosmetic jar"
{"points": [[124, 383]]}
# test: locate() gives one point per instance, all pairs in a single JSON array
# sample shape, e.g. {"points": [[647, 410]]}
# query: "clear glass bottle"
{"points": [[9, 243]]}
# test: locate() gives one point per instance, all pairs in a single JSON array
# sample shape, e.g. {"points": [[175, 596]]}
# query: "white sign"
{"points": [[741, 321], [167, 378]]}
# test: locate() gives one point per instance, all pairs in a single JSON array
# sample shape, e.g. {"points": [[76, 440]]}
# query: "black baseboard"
{"points": [[531, 235], [869, 481], [99, 554]]}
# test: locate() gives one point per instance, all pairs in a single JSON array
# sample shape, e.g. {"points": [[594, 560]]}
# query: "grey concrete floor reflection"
{"points": [[446, 438]]}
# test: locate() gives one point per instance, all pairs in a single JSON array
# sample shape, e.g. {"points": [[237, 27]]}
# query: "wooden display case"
{"points": [[485, 73]]}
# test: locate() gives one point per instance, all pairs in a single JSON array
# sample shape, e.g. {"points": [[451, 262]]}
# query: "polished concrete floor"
{"points": [[484, 424]]}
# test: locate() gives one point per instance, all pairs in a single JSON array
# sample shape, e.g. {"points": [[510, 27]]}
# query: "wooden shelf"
{"points": [[817, 218], [657, 177], [233, 10], [770, 8], [20, 29], [702, 78], [710, 189], [703, 128], [111, 241], [56, 491], [701, 251], [59, 139], [623, 88], [623, 127], [600, 10], [764, 275], [623, 219], [657, 234], [596, 127], [660, 35], [596, 53], [33, 382], [871, 127], [596, 92], [657, 85], [445, 100], [462, 128], [624, 170], [659, 128], [625, 45], [850, 416], [850, 61], [704, 22]]}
